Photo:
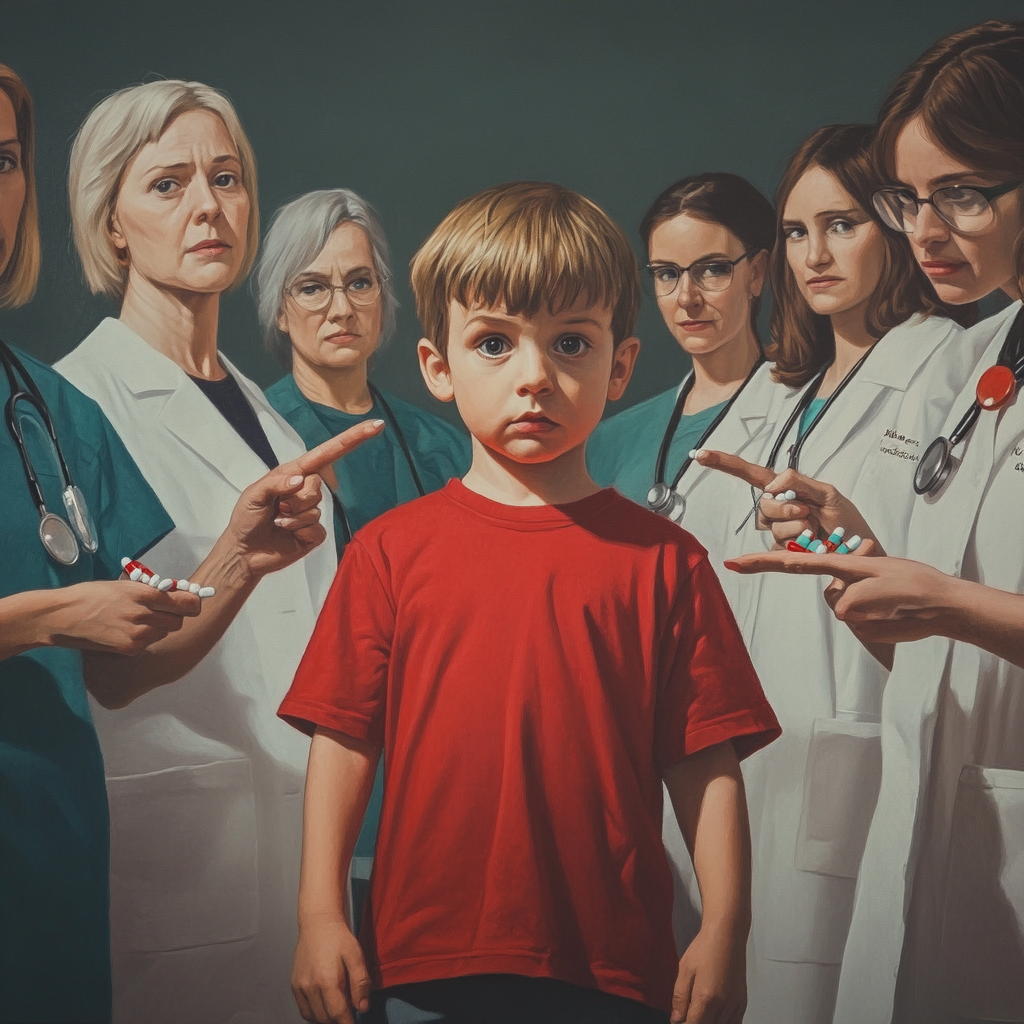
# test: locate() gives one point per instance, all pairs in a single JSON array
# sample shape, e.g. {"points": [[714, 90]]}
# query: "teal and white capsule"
{"points": [[819, 548], [806, 539], [849, 545], [835, 538]]}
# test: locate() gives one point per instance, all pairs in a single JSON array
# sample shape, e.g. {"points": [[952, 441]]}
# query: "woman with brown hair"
{"points": [[854, 326], [937, 932]]}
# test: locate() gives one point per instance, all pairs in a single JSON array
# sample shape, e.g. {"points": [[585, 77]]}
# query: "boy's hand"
{"points": [[711, 987], [329, 979]]}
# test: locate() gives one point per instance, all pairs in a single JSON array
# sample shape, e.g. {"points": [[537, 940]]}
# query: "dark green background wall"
{"points": [[417, 104]]}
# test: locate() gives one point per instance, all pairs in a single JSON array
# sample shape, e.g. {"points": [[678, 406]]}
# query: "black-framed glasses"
{"points": [[707, 275], [316, 295], [965, 208]]}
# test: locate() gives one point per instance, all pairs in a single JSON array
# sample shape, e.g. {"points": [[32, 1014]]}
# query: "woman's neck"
{"points": [[719, 374], [853, 342], [343, 388], [180, 325]]}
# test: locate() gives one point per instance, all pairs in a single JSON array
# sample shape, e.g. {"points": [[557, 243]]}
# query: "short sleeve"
{"points": [[341, 682], [128, 515], [708, 690]]}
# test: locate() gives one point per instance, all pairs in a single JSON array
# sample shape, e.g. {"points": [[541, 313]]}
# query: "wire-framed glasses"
{"points": [[316, 294], [965, 208], [707, 275]]}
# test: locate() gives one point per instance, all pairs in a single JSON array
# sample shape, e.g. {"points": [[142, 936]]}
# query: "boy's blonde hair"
{"points": [[525, 245]]}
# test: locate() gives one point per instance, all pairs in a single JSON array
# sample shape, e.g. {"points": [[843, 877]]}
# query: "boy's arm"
{"points": [[707, 794], [329, 978]]}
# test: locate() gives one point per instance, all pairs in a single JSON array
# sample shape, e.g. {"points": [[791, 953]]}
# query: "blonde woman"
{"points": [[205, 784]]}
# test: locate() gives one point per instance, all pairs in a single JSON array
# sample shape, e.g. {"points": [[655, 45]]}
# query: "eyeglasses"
{"points": [[316, 295], [708, 276], [965, 208]]}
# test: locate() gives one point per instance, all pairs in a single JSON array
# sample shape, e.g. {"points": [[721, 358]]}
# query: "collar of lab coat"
{"points": [[187, 413], [891, 366]]}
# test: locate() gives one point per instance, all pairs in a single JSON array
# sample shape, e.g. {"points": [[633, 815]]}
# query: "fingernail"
{"points": [[294, 481], [699, 453], [280, 521], [378, 423]]}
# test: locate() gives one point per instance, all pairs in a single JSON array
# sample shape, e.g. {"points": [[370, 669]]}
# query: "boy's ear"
{"points": [[623, 361], [434, 367]]}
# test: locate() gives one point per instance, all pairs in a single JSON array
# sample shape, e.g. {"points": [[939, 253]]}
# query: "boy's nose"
{"points": [[534, 372]]}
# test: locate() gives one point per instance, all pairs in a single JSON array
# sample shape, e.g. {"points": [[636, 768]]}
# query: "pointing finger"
{"points": [[758, 476], [842, 567], [330, 451]]}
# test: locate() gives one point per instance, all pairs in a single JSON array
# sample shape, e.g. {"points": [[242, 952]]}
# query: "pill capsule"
{"points": [[154, 580], [794, 546], [819, 548], [206, 591], [835, 538], [849, 545], [166, 585], [194, 588], [805, 540], [135, 574], [787, 496], [182, 585], [131, 566]]}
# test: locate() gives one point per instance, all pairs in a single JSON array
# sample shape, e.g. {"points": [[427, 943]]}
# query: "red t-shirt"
{"points": [[530, 671]]}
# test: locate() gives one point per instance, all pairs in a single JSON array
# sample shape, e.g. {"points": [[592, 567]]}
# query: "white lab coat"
{"points": [[205, 782], [813, 791], [940, 900]]}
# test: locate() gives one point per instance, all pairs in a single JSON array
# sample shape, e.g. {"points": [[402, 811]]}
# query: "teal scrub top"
{"points": [[375, 478], [54, 829], [623, 450], [810, 414]]}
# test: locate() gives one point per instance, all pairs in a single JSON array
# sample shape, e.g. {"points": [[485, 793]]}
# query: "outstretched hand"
{"points": [[883, 600], [818, 506], [276, 520]]}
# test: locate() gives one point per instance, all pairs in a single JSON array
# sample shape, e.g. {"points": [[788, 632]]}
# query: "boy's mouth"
{"points": [[533, 423]]}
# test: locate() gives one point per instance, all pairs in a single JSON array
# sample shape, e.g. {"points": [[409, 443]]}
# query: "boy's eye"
{"points": [[493, 346], [571, 345]]}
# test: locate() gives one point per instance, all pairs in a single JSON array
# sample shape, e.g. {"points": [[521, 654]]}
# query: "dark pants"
{"points": [[504, 999]]}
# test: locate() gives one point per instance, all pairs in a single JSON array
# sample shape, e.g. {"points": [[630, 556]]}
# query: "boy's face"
{"points": [[529, 389]]}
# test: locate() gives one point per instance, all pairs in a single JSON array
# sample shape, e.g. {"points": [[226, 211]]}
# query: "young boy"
{"points": [[534, 655]]}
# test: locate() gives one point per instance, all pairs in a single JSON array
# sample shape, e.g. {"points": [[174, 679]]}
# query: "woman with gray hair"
{"points": [[326, 304], [204, 781]]}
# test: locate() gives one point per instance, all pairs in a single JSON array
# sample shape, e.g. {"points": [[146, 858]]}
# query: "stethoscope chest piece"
{"points": [[666, 502], [57, 538], [933, 469], [996, 387]]}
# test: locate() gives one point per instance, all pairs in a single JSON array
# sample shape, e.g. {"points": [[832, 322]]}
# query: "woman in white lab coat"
{"points": [[205, 783], [853, 327], [938, 924]]}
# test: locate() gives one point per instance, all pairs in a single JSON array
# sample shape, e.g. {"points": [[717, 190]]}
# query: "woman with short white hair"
{"points": [[204, 782], [326, 304]]}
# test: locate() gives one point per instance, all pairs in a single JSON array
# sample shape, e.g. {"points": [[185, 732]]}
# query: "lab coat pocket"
{"points": [[982, 951], [841, 783], [183, 857]]}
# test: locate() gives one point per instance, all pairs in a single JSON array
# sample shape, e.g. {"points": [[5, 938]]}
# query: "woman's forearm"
{"points": [[988, 618], [27, 620]]}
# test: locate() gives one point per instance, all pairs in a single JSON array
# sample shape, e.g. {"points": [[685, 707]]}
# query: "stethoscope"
{"points": [[797, 414], [378, 398], [60, 540], [664, 498], [995, 388]]}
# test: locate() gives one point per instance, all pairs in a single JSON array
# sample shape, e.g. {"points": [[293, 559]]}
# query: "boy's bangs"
{"points": [[547, 264]]}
